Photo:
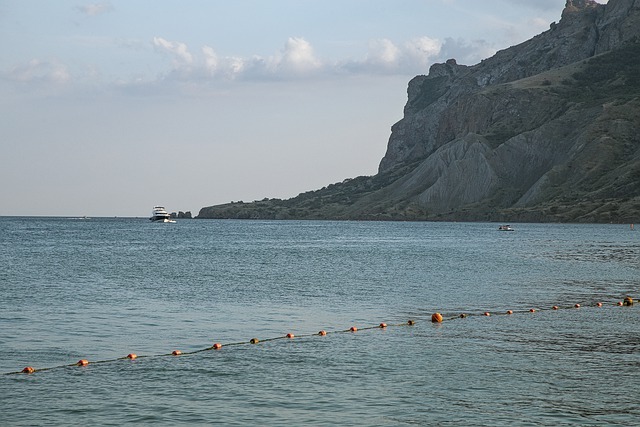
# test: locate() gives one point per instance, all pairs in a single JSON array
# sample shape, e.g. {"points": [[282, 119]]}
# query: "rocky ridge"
{"points": [[547, 130]]}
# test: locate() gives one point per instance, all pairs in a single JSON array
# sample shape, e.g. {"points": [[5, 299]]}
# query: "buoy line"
{"points": [[435, 318]]}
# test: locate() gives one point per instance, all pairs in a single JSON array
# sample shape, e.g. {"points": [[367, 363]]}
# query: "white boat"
{"points": [[160, 214], [505, 228]]}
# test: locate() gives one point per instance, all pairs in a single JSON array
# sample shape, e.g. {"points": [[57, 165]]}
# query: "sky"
{"points": [[109, 108]]}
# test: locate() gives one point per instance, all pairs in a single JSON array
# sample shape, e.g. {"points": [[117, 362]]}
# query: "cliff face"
{"points": [[436, 100], [548, 130]]}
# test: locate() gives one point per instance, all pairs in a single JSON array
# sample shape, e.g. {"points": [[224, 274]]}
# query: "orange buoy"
{"points": [[620, 303], [28, 370], [218, 346], [555, 307], [532, 310], [176, 352], [577, 306], [290, 335], [436, 318], [509, 311], [382, 325], [599, 304], [322, 333], [486, 313], [132, 356], [82, 362], [628, 301], [353, 329], [462, 316], [411, 322], [254, 341]]}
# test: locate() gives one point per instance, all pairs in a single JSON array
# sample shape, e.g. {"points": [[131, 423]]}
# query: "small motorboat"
{"points": [[505, 228]]}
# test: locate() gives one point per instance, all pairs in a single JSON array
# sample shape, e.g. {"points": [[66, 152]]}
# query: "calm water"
{"points": [[99, 289]]}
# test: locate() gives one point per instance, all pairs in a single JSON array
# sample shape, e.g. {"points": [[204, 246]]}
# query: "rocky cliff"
{"points": [[548, 130]]}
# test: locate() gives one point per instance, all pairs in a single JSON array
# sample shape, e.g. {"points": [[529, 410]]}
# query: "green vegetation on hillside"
{"points": [[613, 76]]}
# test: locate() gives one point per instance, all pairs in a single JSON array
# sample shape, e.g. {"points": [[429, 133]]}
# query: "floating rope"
{"points": [[435, 318]]}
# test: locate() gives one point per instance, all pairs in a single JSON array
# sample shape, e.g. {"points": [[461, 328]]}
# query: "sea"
{"points": [[99, 289]]}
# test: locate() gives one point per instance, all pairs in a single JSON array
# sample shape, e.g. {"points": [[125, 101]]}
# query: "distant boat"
{"points": [[505, 228], [160, 214]]}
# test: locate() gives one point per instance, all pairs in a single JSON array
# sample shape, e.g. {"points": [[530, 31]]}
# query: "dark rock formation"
{"points": [[548, 130], [181, 215]]}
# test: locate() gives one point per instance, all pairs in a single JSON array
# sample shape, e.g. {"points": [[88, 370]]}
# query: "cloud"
{"points": [[297, 59], [298, 56], [197, 69], [421, 51], [95, 9], [383, 53], [36, 70], [178, 50], [228, 67], [465, 51], [385, 57], [211, 60]]}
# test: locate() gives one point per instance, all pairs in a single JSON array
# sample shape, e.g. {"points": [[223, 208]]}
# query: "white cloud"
{"points": [[178, 50], [211, 61], [95, 9], [385, 57], [298, 56], [422, 51], [383, 52], [40, 71], [297, 59], [235, 65]]}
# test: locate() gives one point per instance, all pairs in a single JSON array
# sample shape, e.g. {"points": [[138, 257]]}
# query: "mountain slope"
{"points": [[548, 130]]}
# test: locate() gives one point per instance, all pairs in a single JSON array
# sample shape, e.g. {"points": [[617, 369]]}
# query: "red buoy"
{"points": [[176, 352], [577, 306], [322, 333], [382, 325], [555, 307], [132, 356], [532, 310], [290, 335], [353, 329], [218, 346], [620, 303], [28, 370], [509, 311], [486, 313], [411, 322], [599, 304], [82, 362]]}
